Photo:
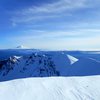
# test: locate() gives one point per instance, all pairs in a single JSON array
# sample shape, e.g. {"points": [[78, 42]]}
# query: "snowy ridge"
{"points": [[79, 88]]}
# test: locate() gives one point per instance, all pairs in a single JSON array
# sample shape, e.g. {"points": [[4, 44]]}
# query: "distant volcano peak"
{"points": [[21, 47]]}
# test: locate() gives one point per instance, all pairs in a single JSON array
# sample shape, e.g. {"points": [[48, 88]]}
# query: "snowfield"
{"points": [[52, 88]]}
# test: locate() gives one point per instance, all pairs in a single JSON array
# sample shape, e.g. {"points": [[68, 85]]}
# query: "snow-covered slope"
{"points": [[44, 64], [72, 59], [66, 88]]}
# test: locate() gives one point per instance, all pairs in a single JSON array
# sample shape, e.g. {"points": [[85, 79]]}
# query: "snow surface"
{"points": [[72, 59], [54, 88]]}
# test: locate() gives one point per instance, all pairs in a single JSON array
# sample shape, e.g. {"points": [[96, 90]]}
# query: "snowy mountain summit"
{"points": [[21, 47]]}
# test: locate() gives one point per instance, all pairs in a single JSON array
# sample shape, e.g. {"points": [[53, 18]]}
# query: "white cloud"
{"points": [[61, 5], [75, 40], [81, 35], [57, 34], [51, 10]]}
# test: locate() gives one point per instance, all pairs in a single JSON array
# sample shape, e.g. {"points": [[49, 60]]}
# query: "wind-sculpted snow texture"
{"points": [[46, 64], [56, 88]]}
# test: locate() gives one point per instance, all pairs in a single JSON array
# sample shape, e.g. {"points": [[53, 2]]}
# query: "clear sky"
{"points": [[50, 24]]}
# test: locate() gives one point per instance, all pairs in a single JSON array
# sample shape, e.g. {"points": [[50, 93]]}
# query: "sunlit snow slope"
{"points": [[62, 88]]}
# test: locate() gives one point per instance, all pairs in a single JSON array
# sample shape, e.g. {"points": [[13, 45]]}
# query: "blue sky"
{"points": [[50, 24]]}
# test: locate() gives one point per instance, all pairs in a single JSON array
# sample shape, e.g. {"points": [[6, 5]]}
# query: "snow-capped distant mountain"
{"points": [[21, 47], [44, 64]]}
